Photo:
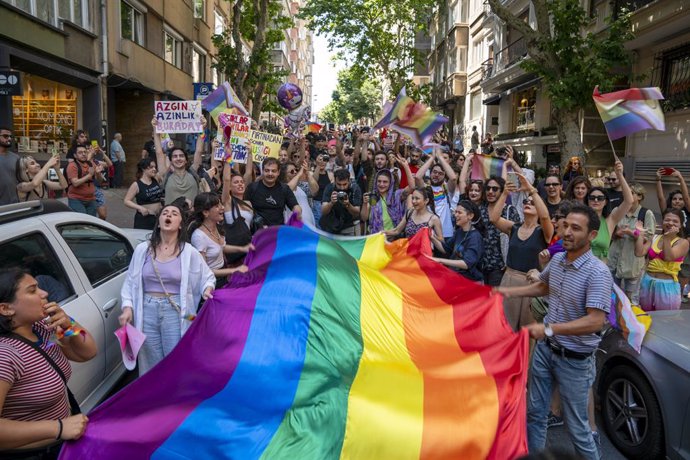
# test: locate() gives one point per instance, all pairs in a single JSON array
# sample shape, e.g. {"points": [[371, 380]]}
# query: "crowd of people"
{"points": [[553, 247]]}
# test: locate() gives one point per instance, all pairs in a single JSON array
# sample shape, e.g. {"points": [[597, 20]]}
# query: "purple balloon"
{"points": [[289, 96]]}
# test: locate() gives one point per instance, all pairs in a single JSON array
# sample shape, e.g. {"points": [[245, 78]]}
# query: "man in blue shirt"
{"points": [[579, 289]]}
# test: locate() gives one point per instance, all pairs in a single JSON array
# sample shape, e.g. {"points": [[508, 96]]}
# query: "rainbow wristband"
{"points": [[72, 330]]}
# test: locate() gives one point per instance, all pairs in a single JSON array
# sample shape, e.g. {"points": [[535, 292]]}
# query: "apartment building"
{"points": [[449, 37]]}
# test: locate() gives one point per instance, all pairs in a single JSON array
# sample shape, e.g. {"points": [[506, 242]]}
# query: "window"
{"points": [[173, 48], [672, 73], [102, 255], [219, 24], [74, 11], [476, 105], [198, 64], [131, 23], [200, 9], [33, 253]]}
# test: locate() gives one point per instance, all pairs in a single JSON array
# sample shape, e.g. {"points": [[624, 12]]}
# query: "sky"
{"points": [[324, 74]]}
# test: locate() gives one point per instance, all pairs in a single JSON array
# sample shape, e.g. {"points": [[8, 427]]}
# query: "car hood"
{"points": [[668, 336], [136, 236]]}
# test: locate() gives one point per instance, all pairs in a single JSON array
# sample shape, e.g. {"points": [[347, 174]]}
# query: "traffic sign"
{"points": [[201, 90], [10, 83]]}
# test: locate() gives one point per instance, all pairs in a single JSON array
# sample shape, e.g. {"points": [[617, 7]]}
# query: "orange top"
{"points": [[85, 191]]}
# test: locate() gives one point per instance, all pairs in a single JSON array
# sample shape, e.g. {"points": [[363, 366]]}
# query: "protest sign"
{"points": [[238, 142], [178, 116], [264, 145]]}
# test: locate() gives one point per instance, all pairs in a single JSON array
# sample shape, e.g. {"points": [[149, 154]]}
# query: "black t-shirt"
{"points": [[270, 202], [354, 194], [615, 198], [524, 255], [552, 207]]}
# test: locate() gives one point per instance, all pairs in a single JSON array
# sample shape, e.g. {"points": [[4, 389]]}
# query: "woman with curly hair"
{"points": [[578, 189], [573, 169]]}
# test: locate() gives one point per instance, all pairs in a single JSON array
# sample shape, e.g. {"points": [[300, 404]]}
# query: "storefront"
{"points": [[46, 116]]}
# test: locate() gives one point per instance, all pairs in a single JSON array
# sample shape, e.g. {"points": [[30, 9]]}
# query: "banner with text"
{"points": [[178, 116], [238, 127], [264, 145]]}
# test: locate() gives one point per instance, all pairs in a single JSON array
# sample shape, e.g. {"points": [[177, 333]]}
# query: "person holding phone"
{"points": [[34, 182], [384, 208]]}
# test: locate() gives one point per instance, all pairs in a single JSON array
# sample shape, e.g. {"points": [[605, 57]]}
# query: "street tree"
{"points": [[257, 25], [375, 37], [569, 58], [355, 97]]}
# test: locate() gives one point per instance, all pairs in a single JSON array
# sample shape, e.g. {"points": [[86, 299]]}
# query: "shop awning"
{"points": [[492, 100], [496, 98]]}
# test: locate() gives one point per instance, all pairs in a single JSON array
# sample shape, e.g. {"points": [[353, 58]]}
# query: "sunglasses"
{"points": [[596, 198], [552, 184], [492, 188], [611, 179], [6, 136], [527, 201]]}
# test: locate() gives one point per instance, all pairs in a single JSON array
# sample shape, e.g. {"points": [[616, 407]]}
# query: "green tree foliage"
{"points": [[569, 58], [355, 98], [259, 24], [375, 36]]}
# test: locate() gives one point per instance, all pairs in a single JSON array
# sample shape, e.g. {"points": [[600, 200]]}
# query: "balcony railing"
{"points": [[630, 5], [487, 68], [525, 119], [510, 54]]}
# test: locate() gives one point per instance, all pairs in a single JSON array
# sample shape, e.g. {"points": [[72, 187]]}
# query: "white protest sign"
{"points": [[178, 116]]}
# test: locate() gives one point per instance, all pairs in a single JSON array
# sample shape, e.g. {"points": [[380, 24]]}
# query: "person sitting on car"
{"points": [[36, 413], [34, 184]]}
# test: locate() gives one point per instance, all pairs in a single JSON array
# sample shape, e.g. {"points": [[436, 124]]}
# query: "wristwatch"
{"points": [[548, 331]]}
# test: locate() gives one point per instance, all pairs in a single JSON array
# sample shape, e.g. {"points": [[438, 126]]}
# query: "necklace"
{"points": [[215, 236]]}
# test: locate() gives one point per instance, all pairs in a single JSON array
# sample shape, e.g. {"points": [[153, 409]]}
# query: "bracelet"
{"points": [[59, 435], [636, 233], [72, 330]]}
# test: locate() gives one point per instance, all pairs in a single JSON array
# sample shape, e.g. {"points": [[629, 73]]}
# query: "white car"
{"points": [[82, 262]]}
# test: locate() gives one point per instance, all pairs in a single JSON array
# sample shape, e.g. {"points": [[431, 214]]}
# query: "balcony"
{"points": [[630, 5], [525, 119], [511, 54], [501, 72], [487, 68]]}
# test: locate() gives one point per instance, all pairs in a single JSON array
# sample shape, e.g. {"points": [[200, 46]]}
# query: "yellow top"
{"points": [[657, 264]]}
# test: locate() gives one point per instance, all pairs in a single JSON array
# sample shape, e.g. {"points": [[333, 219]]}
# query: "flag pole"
{"points": [[615, 157]]}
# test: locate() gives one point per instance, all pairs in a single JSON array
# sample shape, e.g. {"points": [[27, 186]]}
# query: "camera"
{"points": [[501, 151], [342, 196], [325, 158]]}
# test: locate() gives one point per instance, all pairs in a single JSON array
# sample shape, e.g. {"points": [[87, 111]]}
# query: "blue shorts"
{"points": [[100, 199], [658, 294]]}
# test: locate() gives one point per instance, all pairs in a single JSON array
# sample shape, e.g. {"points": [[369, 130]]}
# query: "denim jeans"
{"points": [[316, 210], [162, 329], [574, 378], [84, 207]]}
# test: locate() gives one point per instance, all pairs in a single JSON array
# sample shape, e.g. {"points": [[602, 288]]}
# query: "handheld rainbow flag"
{"points": [[329, 349], [633, 322], [414, 119], [221, 99], [485, 166], [630, 110], [312, 128]]}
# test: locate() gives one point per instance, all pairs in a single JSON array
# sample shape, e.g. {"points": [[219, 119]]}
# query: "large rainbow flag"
{"points": [[329, 349], [413, 119], [630, 110], [222, 99], [485, 166]]}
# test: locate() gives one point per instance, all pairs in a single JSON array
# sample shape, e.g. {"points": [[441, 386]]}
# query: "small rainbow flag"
{"points": [[329, 348], [630, 110], [314, 128], [633, 322], [221, 99], [413, 119], [485, 166]]}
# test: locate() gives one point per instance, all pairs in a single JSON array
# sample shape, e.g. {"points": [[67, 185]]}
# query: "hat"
{"points": [[131, 340]]}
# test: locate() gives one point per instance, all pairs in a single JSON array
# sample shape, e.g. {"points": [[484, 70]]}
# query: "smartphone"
{"points": [[513, 177], [666, 171]]}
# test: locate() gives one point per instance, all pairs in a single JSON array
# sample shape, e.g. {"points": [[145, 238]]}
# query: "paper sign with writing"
{"points": [[238, 142], [264, 145], [178, 116]]}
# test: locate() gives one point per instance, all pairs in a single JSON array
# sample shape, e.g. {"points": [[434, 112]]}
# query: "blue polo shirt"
{"points": [[573, 287]]}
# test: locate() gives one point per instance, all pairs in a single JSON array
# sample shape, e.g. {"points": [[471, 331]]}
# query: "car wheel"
{"points": [[631, 413]]}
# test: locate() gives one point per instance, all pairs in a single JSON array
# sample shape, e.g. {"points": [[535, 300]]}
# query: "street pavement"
{"points": [[123, 217]]}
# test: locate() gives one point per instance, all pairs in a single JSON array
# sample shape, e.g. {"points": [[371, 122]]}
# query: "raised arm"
{"points": [[62, 182], [200, 144], [408, 172], [450, 174], [464, 172], [421, 172], [26, 187], [621, 210], [660, 191], [161, 159], [683, 188], [504, 225], [542, 210]]}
